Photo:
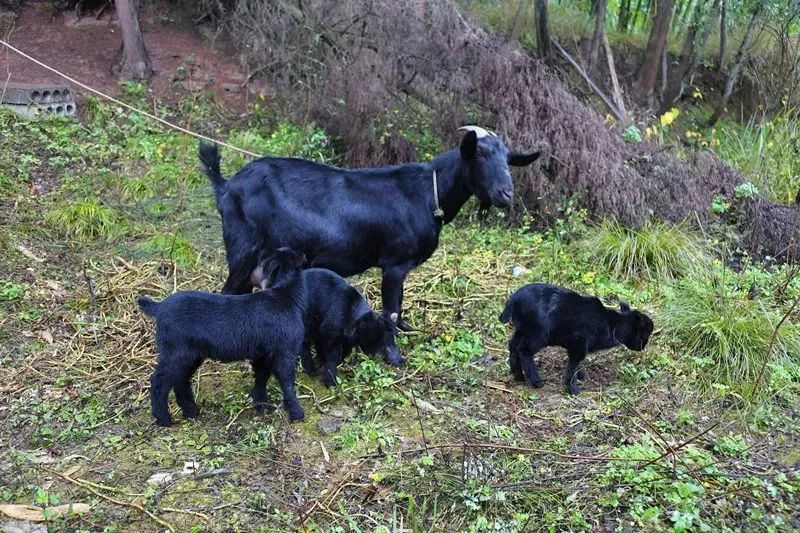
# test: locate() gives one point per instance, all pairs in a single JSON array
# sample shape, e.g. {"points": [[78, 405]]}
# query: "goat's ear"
{"points": [[624, 307], [469, 145], [522, 160]]}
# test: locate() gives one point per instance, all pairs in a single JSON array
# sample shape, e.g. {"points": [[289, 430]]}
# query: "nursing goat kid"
{"points": [[547, 315], [266, 327], [350, 220]]}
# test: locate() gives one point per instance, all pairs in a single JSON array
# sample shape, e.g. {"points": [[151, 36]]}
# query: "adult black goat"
{"points": [[350, 220]]}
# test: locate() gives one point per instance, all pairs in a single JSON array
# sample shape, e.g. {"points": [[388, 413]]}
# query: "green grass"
{"points": [[766, 152], [402, 456], [87, 220], [657, 250]]}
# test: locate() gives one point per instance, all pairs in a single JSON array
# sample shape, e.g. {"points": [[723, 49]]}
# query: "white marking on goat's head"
{"points": [[479, 132], [393, 318], [488, 160]]}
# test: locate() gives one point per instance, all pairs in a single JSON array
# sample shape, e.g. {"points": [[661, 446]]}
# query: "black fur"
{"points": [[266, 328], [547, 315], [351, 220], [339, 318]]}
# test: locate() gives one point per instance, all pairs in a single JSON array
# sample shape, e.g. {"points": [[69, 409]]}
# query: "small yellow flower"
{"points": [[697, 94], [669, 117], [588, 278]]}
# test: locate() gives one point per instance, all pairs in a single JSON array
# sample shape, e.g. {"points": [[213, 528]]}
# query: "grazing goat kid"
{"points": [[351, 220], [339, 318], [265, 327], [547, 315]]}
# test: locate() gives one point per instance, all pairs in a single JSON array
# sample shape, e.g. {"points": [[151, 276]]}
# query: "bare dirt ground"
{"points": [[86, 48]]}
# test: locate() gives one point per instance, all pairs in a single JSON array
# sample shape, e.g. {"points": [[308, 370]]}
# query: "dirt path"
{"points": [[86, 49]]}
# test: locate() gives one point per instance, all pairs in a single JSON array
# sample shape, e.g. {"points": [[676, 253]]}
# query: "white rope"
{"points": [[123, 104], [438, 213]]}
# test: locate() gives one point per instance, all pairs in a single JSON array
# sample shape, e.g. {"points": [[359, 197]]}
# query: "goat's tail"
{"points": [[209, 157], [508, 312], [147, 305]]}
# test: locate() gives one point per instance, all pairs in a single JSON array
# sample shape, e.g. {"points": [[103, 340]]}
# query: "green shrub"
{"points": [[287, 140], [86, 219], [656, 250], [728, 335]]}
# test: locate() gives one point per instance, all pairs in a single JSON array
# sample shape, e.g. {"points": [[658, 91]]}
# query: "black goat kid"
{"points": [[339, 318], [350, 220], [547, 315], [266, 328]]}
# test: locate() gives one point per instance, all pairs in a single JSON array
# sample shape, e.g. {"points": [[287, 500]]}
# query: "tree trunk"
{"points": [[135, 63], [542, 30], [648, 73], [690, 56], [733, 75], [599, 29], [723, 35], [519, 19]]}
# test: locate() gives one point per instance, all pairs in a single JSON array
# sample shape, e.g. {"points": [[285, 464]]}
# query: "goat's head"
{"points": [[488, 159], [278, 268], [374, 333], [635, 329]]}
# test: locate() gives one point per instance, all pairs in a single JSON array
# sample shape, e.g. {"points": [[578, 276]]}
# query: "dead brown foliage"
{"points": [[770, 229], [347, 64]]}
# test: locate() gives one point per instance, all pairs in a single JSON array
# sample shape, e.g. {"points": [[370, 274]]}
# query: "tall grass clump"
{"points": [[86, 220], [728, 335], [656, 250]]}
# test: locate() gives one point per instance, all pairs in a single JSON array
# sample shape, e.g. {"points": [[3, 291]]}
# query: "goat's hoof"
{"points": [[190, 412], [580, 375], [402, 325], [297, 415], [396, 361], [164, 422], [262, 406], [329, 381], [573, 390], [537, 383]]}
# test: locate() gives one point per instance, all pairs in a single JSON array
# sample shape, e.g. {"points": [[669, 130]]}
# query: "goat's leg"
{"points": [[285, 369], [184, 394], [577, 353], [392, 293], [160, 384], [527, 349], [513, 357], [306, 359], [332, 355], [261, 374]]}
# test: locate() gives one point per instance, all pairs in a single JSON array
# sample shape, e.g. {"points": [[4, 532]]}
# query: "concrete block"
{"points": [[33, 100]]}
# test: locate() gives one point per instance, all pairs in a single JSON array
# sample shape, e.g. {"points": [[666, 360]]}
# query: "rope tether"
{"points": [[438, 213], [123, 104]]}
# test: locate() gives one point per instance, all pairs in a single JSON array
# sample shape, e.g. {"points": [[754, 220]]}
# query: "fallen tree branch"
{"points": [[599, 92]]}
